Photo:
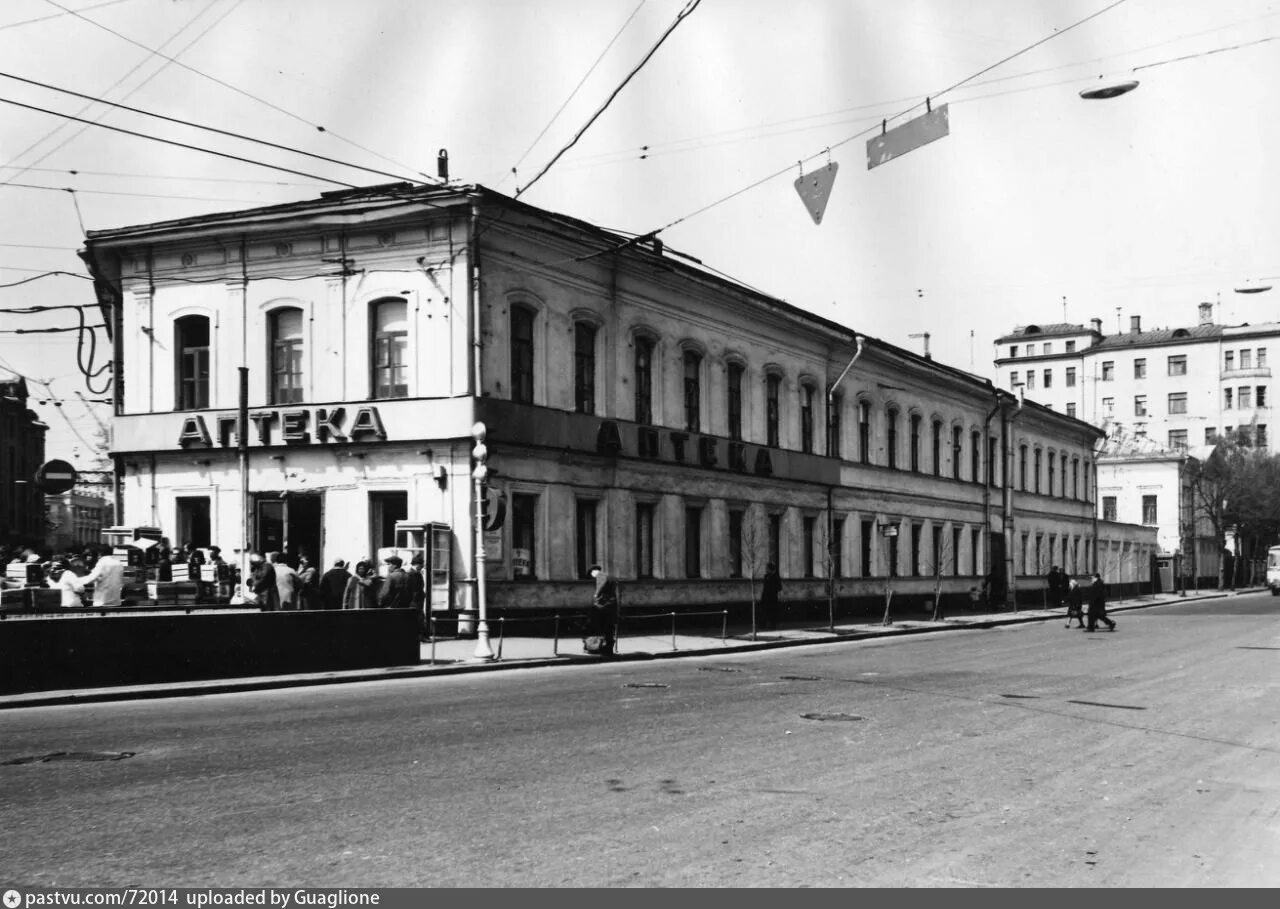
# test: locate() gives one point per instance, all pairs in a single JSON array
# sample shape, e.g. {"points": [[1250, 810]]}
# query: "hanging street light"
{"points": [[1108, 91]]}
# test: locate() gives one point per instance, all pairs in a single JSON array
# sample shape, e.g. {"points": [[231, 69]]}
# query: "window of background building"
{"points": [[915, 443], [588, 550], [1178, 402], [1260, 399], [864, 432], [957, 451], [390, 353], [644, 379], [1140, 405], [1149, 510], [1227, 398], [1261, 437], [891, 436], [286, 356], [584, 367], [1013, 380], [1177, 438], [1071, 377], [644, 539], [1013, 350], [1244, 397], [1071, 409], [806, 418], [1048, 348], [1108, 370], [1031, 350], [524, 511], [1210, 435], [1108, 407], [1108, 508], [1262, 357], [693, 542], [1140, 368], [867, 529], [736, 371], [522, 354], [1048, 378], [1178, 365], [809, 529], [1246, 359], [692, 391], [772, 393], [1071, 347], [1229, 360], [1030, 380], [833, 426], [192, 367]]}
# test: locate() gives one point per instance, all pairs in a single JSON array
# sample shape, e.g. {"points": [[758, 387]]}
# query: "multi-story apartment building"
{"points": [[22, 437], [640, 411], [1179, 387], [75, 520]]}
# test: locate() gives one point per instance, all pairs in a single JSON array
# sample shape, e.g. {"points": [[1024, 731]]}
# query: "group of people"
{"points": [[1062, 587]]}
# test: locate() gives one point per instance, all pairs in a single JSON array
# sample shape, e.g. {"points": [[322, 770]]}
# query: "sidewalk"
{"points": [[448, 656]]}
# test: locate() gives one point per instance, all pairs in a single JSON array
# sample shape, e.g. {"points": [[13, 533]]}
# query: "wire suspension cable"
{"points": [[683, 14]]}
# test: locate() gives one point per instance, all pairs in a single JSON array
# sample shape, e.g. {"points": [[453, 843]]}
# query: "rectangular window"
{"points": [[1140, 405], [584, 367], [957, 451], [936, 566], [956, 533], [644, 540], [193, 362], [775, 540], [693, 542], [1075, 478], [937, 448], [1071, 377], [588, 553], [692, 391], [286, 356], [1013, 350], [1178, 402], [891, 437], [1108, 508], [736, 371], [1244, 397], [772, 389], [893, 556], [975, 548], [1051, 474], [1031, 350], [522, 355], [1071, 347], [1246, 359], [1037, 471], [1071, 409], [1261, 438], [1031, 379], [1229, 360], [1140, 368], [864, 432], [1148, 509], [809, 527], [1178, 365], [915, 443], [1108, 370], [916, 531], [1048, 378], [1262, 357], [1177, 438], [1227, 397], [1210, 435], [644, 380], [836, 551], [193, 523], [1108, 407], [735, 544], [867, 529], [833, 427], [806, 418], [1260, 399], [524, 511], [390, 349], [1048, 348], [1013, 380]]}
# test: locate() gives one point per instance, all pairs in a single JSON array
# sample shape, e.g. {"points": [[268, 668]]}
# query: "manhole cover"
{"points": [[832, 717], [800, 678], [644, 685], [59, 756]]}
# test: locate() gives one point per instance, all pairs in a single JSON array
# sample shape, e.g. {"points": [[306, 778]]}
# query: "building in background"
{"points": [[75, 520], [641, 411], [1178, 387], [21, 454]]}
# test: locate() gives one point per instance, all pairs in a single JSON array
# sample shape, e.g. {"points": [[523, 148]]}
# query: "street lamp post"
{"points": [[480, 474]]}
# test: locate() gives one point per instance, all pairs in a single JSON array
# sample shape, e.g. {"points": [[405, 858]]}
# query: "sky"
{"points": [[1039, 206]]}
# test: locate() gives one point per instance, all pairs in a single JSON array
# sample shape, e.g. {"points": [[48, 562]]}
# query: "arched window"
{"points": [[891, 435], [1036, 472], [937, 448], [522, 318], [834, 424], [915, 443], [584, 367], [644, 379], [772, 391], [390, 354], [957, 451], [286, 355], [975, 456], [864, 432], [191, 350], [736, 372], [692, 391], [1022, 468], [806, 418]]}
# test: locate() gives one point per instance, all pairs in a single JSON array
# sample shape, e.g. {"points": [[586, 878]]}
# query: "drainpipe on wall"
{"points": [[1007, 421], [987, 481], [831, 514]]}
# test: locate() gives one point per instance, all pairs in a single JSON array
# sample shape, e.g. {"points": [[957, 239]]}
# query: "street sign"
{"points": [[815, 189], [55, 477], [909, 136]]}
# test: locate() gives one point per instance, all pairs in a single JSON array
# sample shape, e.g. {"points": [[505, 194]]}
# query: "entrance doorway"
{"points": [[292, 524]]}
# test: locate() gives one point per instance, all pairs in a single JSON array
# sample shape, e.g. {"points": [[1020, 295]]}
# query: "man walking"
{"points": [[1098, 605], [395, 592], [107, 579], [333, 583]]}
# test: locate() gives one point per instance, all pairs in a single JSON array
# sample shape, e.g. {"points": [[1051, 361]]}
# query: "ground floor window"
{"points": [[975, 550], [864, 549], [193, 521], [775, 540], [735, 544], [810, 548], [588, 547], [524, 510], [385, 508], [693, 542], [644, 540]]}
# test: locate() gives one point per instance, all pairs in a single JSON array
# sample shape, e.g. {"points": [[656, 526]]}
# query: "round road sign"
{"points": [[55, 477]]}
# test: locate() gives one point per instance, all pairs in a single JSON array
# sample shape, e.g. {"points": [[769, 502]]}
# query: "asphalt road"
{"points": [[1023, 756]]}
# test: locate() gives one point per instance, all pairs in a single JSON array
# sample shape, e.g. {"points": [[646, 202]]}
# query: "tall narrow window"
{"points": [[286, 356], [809, 528], [736, 371], [864, 432], [584, 367], [955, 550], [915, 443], [916, 531], [693, 542], [937, 448], [806, 418], [891, 436], [1036, 475], [644, 380], [692, 391], [1052, 473], [936, 566], [644, 540], [775, 540], [522, 354], [772, 389], [390, 349], [957, 451], [735, 543], [1022, 468], [975, 551], [975, 456], [524, 510], [867, 529], [834, 425], [586, 527], [191, 347], [835, 552]]}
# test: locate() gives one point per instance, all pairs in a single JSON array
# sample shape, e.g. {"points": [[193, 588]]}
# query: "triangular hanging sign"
{"points": [[815, 189]]}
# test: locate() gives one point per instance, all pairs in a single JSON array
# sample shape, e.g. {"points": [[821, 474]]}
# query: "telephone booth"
{"points": [[434, 542]]}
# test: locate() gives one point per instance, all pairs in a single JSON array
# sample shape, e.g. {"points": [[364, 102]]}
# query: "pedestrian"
{"points": [[333, 584], [107, 579], [1054, 584], [68, 583], [263, 580], [308, 590], [286, 580], [602, 617], [395, 592], [1075, 602], [418, 593], [362, 589], [770, 593], [1098, 605]]}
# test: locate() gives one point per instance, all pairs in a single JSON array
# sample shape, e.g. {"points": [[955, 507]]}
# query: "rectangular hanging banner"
{"points": [[909, 136]]}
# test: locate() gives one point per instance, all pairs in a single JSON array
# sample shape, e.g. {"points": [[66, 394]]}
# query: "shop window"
{"points": [[191, 348], [524, 511], [192, 522], [390, 349]]}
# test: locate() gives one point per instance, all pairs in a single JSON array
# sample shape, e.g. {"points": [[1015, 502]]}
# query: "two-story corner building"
{"points": [[1180, 387], [641, 411], [22, 436]]}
